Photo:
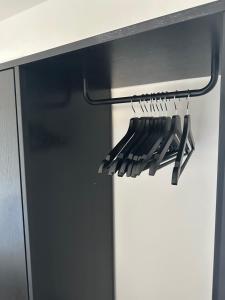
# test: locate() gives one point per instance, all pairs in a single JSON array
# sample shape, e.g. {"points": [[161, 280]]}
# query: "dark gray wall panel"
{"points": [[13, 281]]}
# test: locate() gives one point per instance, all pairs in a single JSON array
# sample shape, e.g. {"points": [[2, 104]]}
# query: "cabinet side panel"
{"points": [[23, 181], [69, 203], [219, 252], [13, 281]]}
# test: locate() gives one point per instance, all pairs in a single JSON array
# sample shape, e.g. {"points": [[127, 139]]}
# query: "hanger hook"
{"points": [[175, 106], [141, 106], [166, 106], [156, 103], [160, 99], [188, 102], [150, 105], [144, 96], [132, 105], [153, 105], [146, 103]]}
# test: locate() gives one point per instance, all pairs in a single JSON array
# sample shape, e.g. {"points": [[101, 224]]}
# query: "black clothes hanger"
{"points": [[187, 137], [139, 132], [174, 132], [134, 122], [152, 146], [134, 144], [148, 152], [117, 149], [168, 159], [153, 123], [157, 125], [151, 143], [115, 165]]}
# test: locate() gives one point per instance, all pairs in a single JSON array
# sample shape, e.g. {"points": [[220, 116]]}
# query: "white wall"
{"points": [[164, 234], [12, 7], [58, 22]]}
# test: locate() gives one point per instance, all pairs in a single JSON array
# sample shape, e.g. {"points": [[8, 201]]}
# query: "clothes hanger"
{"points": [[152, 125], [152, 144], [115, 165], [156, 125], [134, 144], [169, 158], [121, 144], [149, 142], [154, 148], [136, 167], [187, 137], [148, 129], [174, 133]]}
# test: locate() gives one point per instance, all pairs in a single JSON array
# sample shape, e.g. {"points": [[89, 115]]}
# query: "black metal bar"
{"points": [[163, 95]]}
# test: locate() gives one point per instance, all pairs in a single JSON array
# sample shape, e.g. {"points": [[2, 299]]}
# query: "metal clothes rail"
{"points": [[162, 95]]}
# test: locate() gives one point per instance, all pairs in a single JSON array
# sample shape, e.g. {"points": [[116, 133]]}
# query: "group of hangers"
{"points": [[152, 142]]}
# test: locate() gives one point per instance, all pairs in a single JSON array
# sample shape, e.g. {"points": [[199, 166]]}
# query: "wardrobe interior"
{"points": [[102, 234]]}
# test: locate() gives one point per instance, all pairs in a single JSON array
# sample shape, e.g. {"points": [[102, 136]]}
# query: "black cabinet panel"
{"points": [[70, 211], [13, 281]]}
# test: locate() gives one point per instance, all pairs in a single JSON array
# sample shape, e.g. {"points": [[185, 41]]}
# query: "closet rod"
{"points": [[162, 95]]}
